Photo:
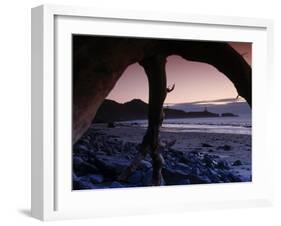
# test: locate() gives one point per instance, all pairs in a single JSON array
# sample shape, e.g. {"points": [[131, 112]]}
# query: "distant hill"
{"points": [[136, 109], [111, 111], [217, 106]]}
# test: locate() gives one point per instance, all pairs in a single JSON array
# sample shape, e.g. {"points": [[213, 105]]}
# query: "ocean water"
{"points": [[229, 125]]}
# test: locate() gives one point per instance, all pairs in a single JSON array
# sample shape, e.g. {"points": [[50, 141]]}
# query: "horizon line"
{"points": [[214, 101]]}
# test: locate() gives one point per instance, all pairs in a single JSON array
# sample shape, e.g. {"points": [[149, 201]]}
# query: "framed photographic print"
{"points": [[137, 112]]}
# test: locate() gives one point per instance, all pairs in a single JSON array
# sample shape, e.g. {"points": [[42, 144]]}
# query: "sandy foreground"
{"points": [[234, 148]]}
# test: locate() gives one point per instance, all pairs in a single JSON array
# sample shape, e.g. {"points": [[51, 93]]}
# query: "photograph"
{"points": [[158, 112]]}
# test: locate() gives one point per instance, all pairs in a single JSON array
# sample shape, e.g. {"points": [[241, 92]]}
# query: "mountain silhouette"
{"points": [[136, 109]]}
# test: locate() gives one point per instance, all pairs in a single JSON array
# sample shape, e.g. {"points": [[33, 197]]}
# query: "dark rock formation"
{"points": [[225, 147], [111, 111], [98, 63], [205, 145], [228, 115], [111, 125], [237, 163]]}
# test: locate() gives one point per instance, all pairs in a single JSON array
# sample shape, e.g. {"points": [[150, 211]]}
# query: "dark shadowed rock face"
{"points": [[237, 163], [98, 159], [99, 62]]}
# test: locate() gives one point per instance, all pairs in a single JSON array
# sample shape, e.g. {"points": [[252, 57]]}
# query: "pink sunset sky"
{"points": [[194, 81]]}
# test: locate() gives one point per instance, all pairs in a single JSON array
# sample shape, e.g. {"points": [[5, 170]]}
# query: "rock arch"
{"points": [[98, 63]]}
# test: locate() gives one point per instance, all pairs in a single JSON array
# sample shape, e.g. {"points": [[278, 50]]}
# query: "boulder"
{"points": [[96, 178], [116, 184], [147, 178], [145, 165], [111, 165], [225, 147], [222, 164], [237, 163], [82, 167], [77, 162], [183, 167], [209, 161], [111, 125], [135, 178], [173, 176], [80, 183], [198, 179], [205, 145]]}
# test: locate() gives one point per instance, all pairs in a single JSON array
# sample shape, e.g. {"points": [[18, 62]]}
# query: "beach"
{"points": [[192, 157]]}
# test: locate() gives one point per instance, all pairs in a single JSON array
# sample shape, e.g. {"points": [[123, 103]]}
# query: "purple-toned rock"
{"points": [[145, 165], [116, 184], [173, 176], [135, 178], [111, 165], [237, 163], [222, 164], [80, 183], [225, 147], [96, 178]]}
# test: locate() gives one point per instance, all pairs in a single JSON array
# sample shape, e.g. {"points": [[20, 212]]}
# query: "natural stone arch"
{"points": [[99, 62]]}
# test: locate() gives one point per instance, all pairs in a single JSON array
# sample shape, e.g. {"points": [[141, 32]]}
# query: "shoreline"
{"points": [[163, 130], [225, 125], [186, 141], [114, 148]]}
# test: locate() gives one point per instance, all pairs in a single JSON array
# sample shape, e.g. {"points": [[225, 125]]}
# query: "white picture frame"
{"points": [[52, 197]]}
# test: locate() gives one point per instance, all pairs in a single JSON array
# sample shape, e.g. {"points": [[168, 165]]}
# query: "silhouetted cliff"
{"points": [[136, 109]]}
